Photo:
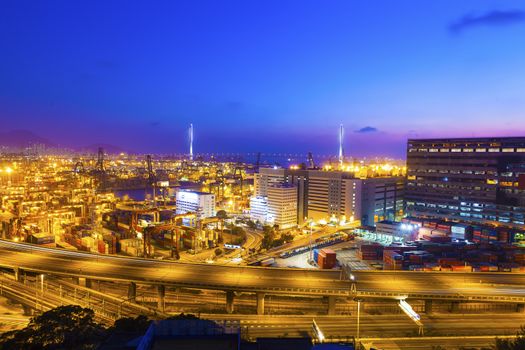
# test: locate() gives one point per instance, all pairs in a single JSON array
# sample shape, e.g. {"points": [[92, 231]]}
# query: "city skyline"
{"points": [[234, 175], [254, 77]]}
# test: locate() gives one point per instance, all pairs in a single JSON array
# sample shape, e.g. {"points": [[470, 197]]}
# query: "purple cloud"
{"points": [[493, 18], [367, 129]]}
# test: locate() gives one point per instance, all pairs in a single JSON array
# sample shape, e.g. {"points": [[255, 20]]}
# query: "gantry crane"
{"points": [[99, 172], [173, 227], [237, 175], [311, 162], [100, 160], [152, 179]]}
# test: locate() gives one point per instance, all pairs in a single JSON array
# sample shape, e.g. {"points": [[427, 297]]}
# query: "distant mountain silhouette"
{"points": [[26, 138], [22, 138]]}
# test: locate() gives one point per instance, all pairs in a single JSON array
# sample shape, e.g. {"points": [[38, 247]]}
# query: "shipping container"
{"points": [[41, 238], [316, 254]]}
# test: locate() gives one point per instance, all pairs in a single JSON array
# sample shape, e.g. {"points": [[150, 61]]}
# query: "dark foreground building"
{"points": [[475, 180]]}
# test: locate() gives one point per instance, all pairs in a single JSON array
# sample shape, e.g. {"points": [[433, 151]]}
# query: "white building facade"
{"points": [[282, 205], [201, 203], [279, 207], [259, 209]]}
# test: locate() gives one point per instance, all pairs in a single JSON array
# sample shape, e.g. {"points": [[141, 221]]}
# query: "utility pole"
{"points": [[358, 318]]}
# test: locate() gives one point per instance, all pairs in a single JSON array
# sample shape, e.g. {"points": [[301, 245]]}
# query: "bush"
{"points": [[65, 327], [287, 237]]}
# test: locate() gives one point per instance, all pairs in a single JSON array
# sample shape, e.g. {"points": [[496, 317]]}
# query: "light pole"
{"points": [[358, 315], [311, 233], [42, 283]]}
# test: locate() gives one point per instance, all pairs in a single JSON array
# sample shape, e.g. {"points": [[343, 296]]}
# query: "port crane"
{"points": [[152, 179]]}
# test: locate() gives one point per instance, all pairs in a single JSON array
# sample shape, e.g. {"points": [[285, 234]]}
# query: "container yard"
{"points": [[447, 246]]}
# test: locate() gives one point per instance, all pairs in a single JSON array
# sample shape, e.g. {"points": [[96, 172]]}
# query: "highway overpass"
{"points": [[455, 286]]}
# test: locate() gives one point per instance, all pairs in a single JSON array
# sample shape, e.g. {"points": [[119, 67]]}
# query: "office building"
{"points": [[274, 176], [201, 203], [267, 177], [332, 194], [337, 194], [282, 205], [473, 180], [278, 207], [259, 209]]}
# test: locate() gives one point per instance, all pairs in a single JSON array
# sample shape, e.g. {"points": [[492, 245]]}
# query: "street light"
{"points": [[358, 316], [42, 283]]}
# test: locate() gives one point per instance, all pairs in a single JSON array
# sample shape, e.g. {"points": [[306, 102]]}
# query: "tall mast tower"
{"points": [[191, 141], [341, 151]]}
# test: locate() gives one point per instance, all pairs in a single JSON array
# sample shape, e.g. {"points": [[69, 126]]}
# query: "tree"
{"points": [[287, 237], [278, 242], [221, 214], [268, 236], [65, 327], [240, 233], [517, 343], [251, 224], [138, 324]]}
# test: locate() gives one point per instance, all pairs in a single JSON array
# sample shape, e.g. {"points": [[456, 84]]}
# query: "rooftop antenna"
{"points": [[341, 151], [191, 141]]}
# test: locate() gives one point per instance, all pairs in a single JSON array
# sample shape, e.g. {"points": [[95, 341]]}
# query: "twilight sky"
{"points": [[262, 75]]}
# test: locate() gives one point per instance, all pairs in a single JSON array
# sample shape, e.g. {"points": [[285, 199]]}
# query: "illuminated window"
{"points": [[468, 150], [456, 149], [433, 150], [507, 150], [493, 149], [444, 150], [520, 149], [481, 150], [492, 181]]}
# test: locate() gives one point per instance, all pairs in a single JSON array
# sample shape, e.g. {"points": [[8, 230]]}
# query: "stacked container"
{"points": [[370, 252], [326, 259], [392, 260]]}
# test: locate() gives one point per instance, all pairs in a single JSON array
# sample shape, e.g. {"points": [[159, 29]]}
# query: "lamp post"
{"points": [[353, 290], [311, 233], [358, 318], [42, 283]]}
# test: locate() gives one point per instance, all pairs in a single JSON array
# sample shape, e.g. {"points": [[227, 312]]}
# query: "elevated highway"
{"points": [[453, 286], [460, 286], [206, 276]]}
